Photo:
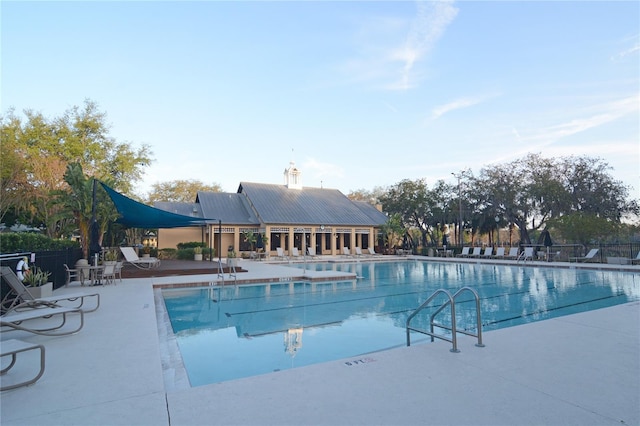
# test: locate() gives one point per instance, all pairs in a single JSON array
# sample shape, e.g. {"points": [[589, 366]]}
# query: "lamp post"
{"points": [[498, 228], [460, 176]]}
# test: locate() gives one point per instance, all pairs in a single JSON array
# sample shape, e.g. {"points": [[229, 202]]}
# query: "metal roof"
{"points": [[278, 204], [258, 204], [227, 207]]}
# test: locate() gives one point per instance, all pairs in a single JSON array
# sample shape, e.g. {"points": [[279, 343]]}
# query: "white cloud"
{"points": [[426, 29], [439, 111], [388, 57]]}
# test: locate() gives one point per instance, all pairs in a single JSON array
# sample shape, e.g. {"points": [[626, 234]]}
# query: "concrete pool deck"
{"points": [[578, 369]]}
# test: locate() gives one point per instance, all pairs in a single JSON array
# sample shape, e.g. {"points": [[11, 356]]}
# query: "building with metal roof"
{"points": [[284, 216]]}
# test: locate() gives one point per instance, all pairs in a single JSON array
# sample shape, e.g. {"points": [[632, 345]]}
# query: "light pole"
{"points": [[460, 176], [498, 228]]}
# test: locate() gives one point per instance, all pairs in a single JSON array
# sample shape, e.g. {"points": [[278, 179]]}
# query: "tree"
{"points": [[180, 191], [392, 230], [371, 197], [79, 201], [39, 150]]}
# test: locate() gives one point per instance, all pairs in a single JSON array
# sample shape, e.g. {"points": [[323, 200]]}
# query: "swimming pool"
{"points": [[225, 333]]}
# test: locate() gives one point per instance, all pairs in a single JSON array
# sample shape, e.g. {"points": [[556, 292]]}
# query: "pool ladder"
{"points": [[451, 301]]}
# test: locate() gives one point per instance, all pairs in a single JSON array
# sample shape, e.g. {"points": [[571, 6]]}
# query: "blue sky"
{"points": [[358, 94]]}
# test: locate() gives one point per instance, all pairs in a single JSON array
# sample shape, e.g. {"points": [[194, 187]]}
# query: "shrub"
{"points": [[16, 242]]}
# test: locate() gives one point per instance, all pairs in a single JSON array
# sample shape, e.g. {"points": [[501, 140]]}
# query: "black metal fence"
{"points": [[49, 261]]}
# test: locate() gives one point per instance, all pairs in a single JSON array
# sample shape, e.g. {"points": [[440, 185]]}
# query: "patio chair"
{"points": [[295, 252], [13, 347], [118, 270], [346, 251], [142, 263], [359, 252], [73, 275], [281, 254], [24, 300], [499, 253], [311, 252], [636, 259], [586, 258], [14, 319], [108, 274], [465, 252]]}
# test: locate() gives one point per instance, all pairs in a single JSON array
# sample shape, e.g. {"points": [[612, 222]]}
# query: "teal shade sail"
{"points": [[138, 215]]}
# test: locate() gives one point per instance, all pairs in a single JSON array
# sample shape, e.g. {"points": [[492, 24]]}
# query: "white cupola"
{"points": [[292, 177]]}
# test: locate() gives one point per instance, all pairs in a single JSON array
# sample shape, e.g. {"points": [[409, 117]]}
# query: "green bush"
{"points": [[15, 242], [167, 253], [191, 244]]}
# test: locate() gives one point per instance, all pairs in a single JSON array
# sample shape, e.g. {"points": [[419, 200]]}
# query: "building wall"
{"points": [[169, 238]]}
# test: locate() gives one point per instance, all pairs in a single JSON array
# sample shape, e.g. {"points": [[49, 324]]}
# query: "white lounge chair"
{"points": [[22, 298], [17, 316], [311, 252], [346, 251], [477, 251], [499, 253], [359, 251], [526, 254], [372, 252], [635, 260], [13, 347], [295, 252], [586, 258], [281, 254], [488, 252], [513, 253], [142, 263], [465, 252]]}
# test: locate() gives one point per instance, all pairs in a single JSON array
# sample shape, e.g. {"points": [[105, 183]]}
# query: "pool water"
{"points": [[230, 332]]}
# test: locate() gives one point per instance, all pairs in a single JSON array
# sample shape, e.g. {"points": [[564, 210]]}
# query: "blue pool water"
{"points": [[240, 331]]}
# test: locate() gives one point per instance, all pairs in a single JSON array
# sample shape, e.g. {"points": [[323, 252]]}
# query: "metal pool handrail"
{"points": [[449, 302]]}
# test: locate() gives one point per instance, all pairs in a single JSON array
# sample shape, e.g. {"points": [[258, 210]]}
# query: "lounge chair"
{"points": [[17, 316], [513, 253], [346, 251], [13, 347], [586, 258], [311, 252], [499, 253], [488, 252], [477, 251], [636, 259], [465, 252], [141, 263], [526, 254], [281, 254], [359, 252], [23, 299], [295, 252], [372, 252]]}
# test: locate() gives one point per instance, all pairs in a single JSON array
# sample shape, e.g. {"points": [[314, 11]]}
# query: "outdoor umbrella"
{"points": [[545, 239]]}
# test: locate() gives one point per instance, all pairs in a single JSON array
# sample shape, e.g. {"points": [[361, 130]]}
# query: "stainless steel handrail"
{"points": [[453, 339], [454, 330]]}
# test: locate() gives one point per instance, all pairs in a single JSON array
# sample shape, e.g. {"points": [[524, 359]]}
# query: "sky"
{"points": [[358, 94]]}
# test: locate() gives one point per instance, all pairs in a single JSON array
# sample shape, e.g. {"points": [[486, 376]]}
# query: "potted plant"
{"points": [[38, 283], [146, 251], [197, 253], [110, 257], [232, 260]]}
